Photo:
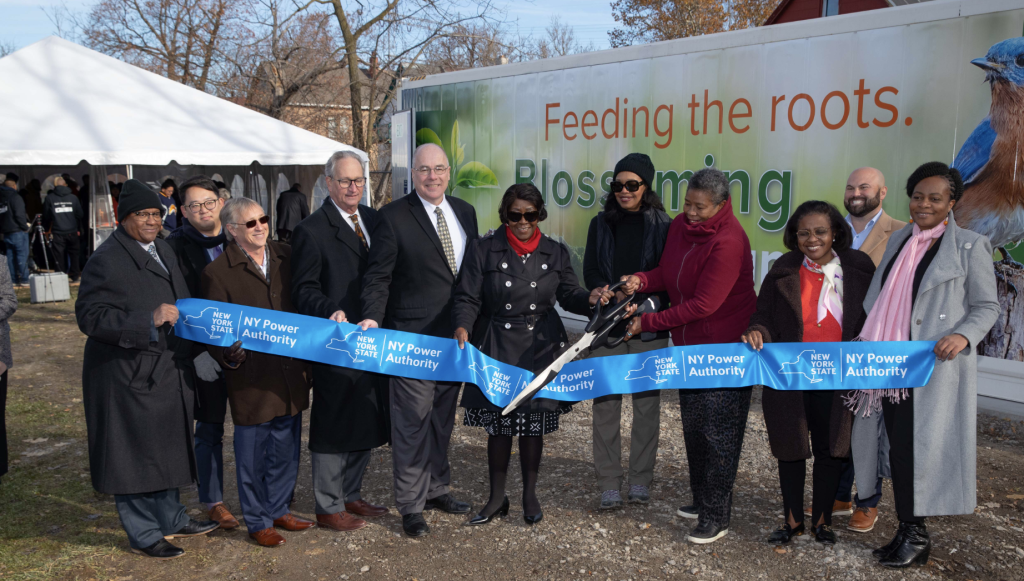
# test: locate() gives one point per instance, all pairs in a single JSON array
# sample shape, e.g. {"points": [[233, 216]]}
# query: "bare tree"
{"points": [[6, 48], [560, 40], [476, 44]]}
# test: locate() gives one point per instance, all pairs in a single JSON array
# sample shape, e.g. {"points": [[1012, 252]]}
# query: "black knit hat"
{"points": [[11, 176], [136, 196], [639, 164], [933, 169]]}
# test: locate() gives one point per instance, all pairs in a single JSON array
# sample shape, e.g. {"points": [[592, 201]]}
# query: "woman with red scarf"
{"points": [[708, 272], [505, 306]]}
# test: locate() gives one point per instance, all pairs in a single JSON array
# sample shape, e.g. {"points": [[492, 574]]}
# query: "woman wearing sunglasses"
{"points": [[813, 293], [709, 275], [505, 306], [267, 392], [627, 237]]}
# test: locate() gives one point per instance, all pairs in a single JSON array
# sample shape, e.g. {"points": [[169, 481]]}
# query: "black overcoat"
{"points": [[779, 318], [137, 392], [211, 396], [292, 208], [509, 307], [350, 410], [408, 285]]}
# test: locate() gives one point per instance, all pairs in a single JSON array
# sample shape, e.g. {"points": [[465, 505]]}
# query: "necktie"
{"points": [[151, 249], [215, 252], [359, 231], [446, 241]]}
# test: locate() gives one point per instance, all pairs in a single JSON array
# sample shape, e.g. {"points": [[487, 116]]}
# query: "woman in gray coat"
{"points": [[934, 283], [8, 304]]}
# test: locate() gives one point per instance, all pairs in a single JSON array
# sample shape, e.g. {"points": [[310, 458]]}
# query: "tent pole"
{"points": [[128, 171]]}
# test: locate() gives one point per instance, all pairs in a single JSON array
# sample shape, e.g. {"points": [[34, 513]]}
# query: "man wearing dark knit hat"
{"points": [[137, 378]]}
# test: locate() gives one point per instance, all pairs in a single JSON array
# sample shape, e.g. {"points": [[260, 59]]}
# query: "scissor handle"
{"points": [[650, 305], [602, 315]]}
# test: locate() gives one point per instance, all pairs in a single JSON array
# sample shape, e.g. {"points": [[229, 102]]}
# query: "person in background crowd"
{"points": [[137, 378], [14, 227], [196, 244], [33, 198], [350, 414], [708, 272], [934, 283], [169, 199], [871, 228], [292, 208], [70, 183], [62, 217], [813, 293], [8, 304], [413, 269], [268, 393], [628, 236], [115, 194], [515, 323], [85, 199]]}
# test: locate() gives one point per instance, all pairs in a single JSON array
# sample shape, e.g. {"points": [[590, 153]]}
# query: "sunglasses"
{"points": [[631, 185], [252, 223], [514, 217]]}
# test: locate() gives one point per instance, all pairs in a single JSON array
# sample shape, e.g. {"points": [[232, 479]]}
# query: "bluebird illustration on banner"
{"points": [[783, 366]]}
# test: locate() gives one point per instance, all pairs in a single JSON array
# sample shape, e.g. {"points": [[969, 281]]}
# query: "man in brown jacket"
{"points": [[268, 393], [871, 228]]}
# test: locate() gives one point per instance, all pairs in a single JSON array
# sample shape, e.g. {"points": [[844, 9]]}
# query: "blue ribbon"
{"points": [[783, 366]]}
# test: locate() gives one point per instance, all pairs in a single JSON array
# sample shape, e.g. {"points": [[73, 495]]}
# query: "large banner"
{"points": [[788, 121]]}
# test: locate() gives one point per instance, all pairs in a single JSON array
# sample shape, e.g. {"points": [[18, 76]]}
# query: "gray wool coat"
{"points": [[957, 295]]}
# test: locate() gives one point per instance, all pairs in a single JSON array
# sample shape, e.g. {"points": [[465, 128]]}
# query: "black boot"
{"points": [[883, 552], [914, 547]]}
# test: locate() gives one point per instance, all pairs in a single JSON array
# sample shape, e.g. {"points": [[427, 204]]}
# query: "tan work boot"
{"points": [[863, 519]]}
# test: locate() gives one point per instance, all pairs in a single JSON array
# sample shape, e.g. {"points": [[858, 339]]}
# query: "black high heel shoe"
{"points": [[532, 519], [914, 548], [883, 552], [482, 520]]}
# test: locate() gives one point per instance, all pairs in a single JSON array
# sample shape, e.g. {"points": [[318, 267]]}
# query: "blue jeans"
{"points": [[266, 466], [210, 461], [17, 256]]}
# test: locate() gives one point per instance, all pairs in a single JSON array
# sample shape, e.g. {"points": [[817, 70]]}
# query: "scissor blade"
{"points": [[549, 373]]}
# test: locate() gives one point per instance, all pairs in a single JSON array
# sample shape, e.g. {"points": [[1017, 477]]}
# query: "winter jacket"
{"points": [[12, 211], [62, 213]]}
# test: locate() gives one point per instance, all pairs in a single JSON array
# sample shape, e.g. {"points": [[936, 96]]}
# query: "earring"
{"points": [[945, 222], [911, 220]]}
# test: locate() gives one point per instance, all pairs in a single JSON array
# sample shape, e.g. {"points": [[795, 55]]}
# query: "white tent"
{"points": [[61, 103]]}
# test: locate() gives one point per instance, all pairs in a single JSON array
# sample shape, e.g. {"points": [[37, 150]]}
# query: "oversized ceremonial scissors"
{"points": [[596, 335]]}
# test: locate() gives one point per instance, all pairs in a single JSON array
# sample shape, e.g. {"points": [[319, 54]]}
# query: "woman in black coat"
{"points": [[628, 236], [792, 308], [507, 292]]}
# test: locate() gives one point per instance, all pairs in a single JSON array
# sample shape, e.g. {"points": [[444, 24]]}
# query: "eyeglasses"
{"points": [[514, 217], [208, 204], [438, 169], [631, 185], [820, 233], [345, 182], [147, 215], [252, 223]]}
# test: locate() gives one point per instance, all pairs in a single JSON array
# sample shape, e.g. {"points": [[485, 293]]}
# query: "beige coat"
{"points": [[874, 246]]}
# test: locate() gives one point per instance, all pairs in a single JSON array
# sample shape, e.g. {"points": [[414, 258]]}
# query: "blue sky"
{"points": [[23, 22]]}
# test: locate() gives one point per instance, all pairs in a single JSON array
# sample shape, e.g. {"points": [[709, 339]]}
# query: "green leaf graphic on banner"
{"points": [[427, 135], [476, 175], [458, 149]]}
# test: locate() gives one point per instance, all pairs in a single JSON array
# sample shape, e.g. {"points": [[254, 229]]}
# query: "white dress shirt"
{"points": [[347, 218], [455, 231], [858, 239]]}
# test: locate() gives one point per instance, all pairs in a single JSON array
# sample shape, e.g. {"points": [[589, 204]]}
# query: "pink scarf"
{"points": [[889, 319]]}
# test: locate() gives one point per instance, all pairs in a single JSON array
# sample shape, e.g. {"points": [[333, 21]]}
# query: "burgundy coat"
{"points": [[708, 272], [779, 318]]}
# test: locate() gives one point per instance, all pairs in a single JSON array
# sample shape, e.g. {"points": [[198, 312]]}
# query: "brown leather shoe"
{"points": [[221, 514], [341, 521], [268, 538], [363, 508], [290, 522], [838, 509], [863, 520]]}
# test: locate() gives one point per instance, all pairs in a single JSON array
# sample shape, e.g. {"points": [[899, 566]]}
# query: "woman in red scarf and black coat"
{"points": [[708, 272], [505, 306]]}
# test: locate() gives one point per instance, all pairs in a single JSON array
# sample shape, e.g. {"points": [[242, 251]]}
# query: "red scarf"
{"points": [[523, 248]]}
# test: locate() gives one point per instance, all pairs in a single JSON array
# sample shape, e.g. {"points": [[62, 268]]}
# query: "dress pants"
{"points": [[422, 418], [643, 448], [267, 464], [713, 424], [66, 250], [899, 423], [210, 461], [827, 469], [337, 479], [879, 456], [147, 517]]}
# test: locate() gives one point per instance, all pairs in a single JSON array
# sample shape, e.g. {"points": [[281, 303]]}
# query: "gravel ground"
{"points": [[575, 540]]}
